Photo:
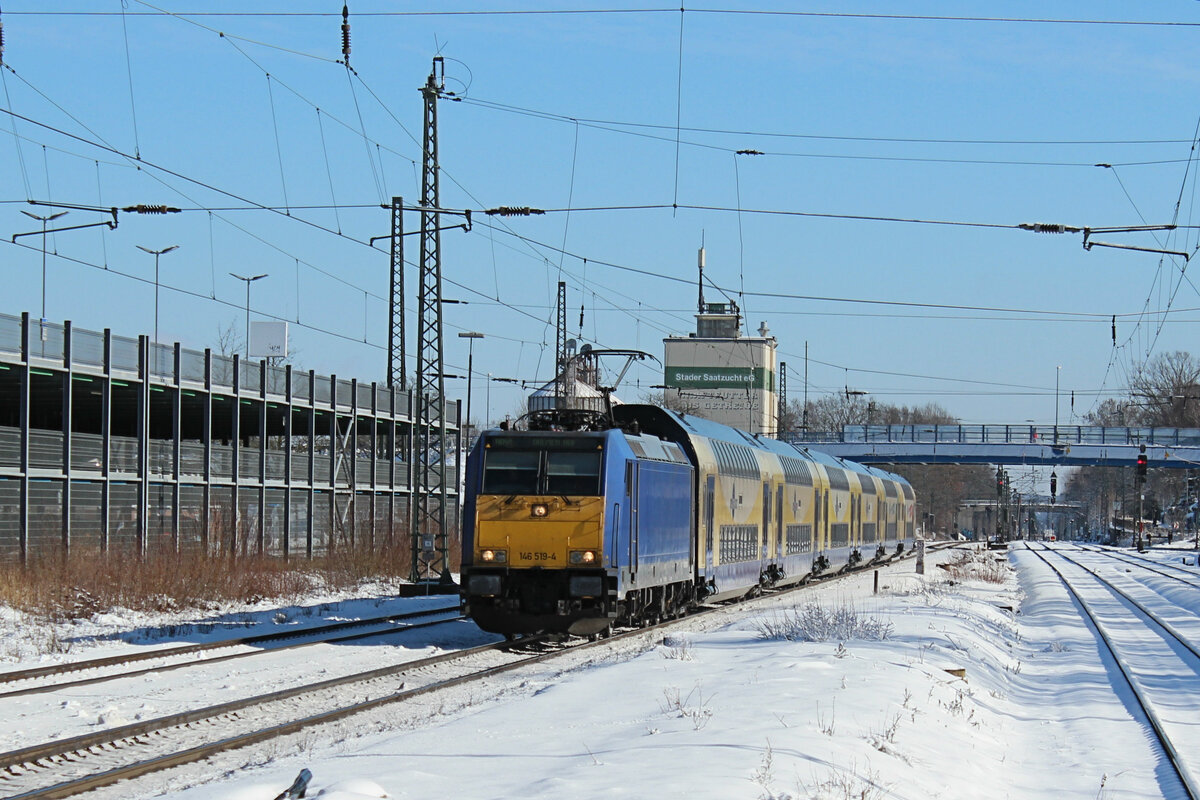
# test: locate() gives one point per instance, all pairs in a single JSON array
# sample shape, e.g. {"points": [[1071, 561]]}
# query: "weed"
{"points": [[678, 649], [814, 622], [957, 705], [764, 777], [978, 566], [695, 706], [845, 784], [827, 727]]}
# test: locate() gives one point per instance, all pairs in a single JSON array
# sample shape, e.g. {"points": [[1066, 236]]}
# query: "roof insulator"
{"points": [[346, 33], [142, 208], [1046, 227], [513, 211]]}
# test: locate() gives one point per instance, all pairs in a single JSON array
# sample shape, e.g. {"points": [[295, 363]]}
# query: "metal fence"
{"points": [[116, 444]]}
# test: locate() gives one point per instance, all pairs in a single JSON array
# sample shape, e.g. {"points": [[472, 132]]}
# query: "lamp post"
{"points": [[43, 220], [1057, 372], [248, 281], [471, 336], [156, 254]]}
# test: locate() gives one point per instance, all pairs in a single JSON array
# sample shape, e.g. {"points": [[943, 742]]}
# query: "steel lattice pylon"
{"points": [[782, 397], [560, 349], [430, 545], [397, 374]]}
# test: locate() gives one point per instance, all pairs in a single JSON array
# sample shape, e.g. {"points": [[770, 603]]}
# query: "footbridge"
{"points": [[1049, 445]]}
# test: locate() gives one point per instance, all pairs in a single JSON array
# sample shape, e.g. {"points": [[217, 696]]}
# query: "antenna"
{"points": [[700, 282]]}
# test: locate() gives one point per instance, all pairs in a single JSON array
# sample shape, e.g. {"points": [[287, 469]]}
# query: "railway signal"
{"points": [[1053, 487], [1141, 465]]}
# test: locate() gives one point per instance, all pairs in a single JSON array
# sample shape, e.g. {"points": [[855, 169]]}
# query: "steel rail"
{"points": [[34, 753], [1182, 771], [54, 687], [67, 747], [1146, 563], [108, 661], [1166, 626]]}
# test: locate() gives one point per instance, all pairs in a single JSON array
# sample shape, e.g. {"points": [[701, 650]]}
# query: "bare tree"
{"points": [[1169, 387], [229, 341], [1116, 413]]}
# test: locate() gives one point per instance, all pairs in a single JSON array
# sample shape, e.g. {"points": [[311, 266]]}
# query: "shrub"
{"points": [[814, 622], [84, 584]]}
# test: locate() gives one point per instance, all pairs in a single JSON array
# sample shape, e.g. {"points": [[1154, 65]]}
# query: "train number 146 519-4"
{"points": [[539, 556]]}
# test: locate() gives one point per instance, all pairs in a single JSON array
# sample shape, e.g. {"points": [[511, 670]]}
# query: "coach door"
{"points": [[855, 517], [766, 522], [710, 493], [779, 521]]}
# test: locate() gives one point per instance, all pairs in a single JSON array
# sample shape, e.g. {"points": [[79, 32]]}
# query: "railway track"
{"points": [[182, 656], [1164, 568], [66, 767], [1121, 621]]}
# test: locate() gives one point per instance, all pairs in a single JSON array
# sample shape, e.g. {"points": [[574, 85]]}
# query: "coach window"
{"points": [[573, 473], [511, 472]]}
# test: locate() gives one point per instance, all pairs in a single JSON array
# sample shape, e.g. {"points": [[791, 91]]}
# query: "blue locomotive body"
{"points": [[569, 532]]}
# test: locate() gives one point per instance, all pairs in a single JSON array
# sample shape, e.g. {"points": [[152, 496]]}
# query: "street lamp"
{"points": [[156, 254], [471, 336], [248, 282], [43, 220], [1057, 372]]}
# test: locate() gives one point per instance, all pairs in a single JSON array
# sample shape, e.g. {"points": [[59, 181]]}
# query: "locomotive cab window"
{"points": [[511, 472], [573, 473], [542, 465]]}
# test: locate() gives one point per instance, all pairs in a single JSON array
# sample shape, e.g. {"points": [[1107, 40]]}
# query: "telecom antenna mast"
{"points": [[430, 540], [560, 349]]}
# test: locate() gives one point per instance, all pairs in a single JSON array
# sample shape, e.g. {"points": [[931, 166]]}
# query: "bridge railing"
{"points": [[1001, 434]]}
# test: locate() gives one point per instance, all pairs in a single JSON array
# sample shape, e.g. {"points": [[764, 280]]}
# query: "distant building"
{"points": [[718, 374]]}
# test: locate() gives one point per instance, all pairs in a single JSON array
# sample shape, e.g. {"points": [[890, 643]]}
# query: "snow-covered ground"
{"points": [[976, 689]]}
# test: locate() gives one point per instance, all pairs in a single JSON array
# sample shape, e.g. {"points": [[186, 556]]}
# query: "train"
{"points": [[575, 525]]}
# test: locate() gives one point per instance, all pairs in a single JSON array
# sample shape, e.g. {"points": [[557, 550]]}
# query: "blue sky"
{"points": [[580, 111]]}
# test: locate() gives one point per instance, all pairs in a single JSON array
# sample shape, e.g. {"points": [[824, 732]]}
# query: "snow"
{"points": [[979, 689]]}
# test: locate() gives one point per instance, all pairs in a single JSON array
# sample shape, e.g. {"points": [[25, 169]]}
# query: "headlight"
{"points": [[582, 557], [494, 556], [539, 510]]}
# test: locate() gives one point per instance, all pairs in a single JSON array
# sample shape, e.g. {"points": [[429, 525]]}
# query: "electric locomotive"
{"points": [[645, 513]]}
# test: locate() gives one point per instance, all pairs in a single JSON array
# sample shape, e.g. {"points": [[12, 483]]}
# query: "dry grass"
{"points": [[979, 566], [89, 583]]}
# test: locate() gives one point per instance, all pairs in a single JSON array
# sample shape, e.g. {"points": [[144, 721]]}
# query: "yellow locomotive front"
{"points": [[533, 554]]}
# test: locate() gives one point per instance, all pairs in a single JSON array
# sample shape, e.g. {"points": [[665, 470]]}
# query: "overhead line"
{"points": [[690, 281], [191, 293], [650, 10], [810, 136], [179, 175], [613, 128]]}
